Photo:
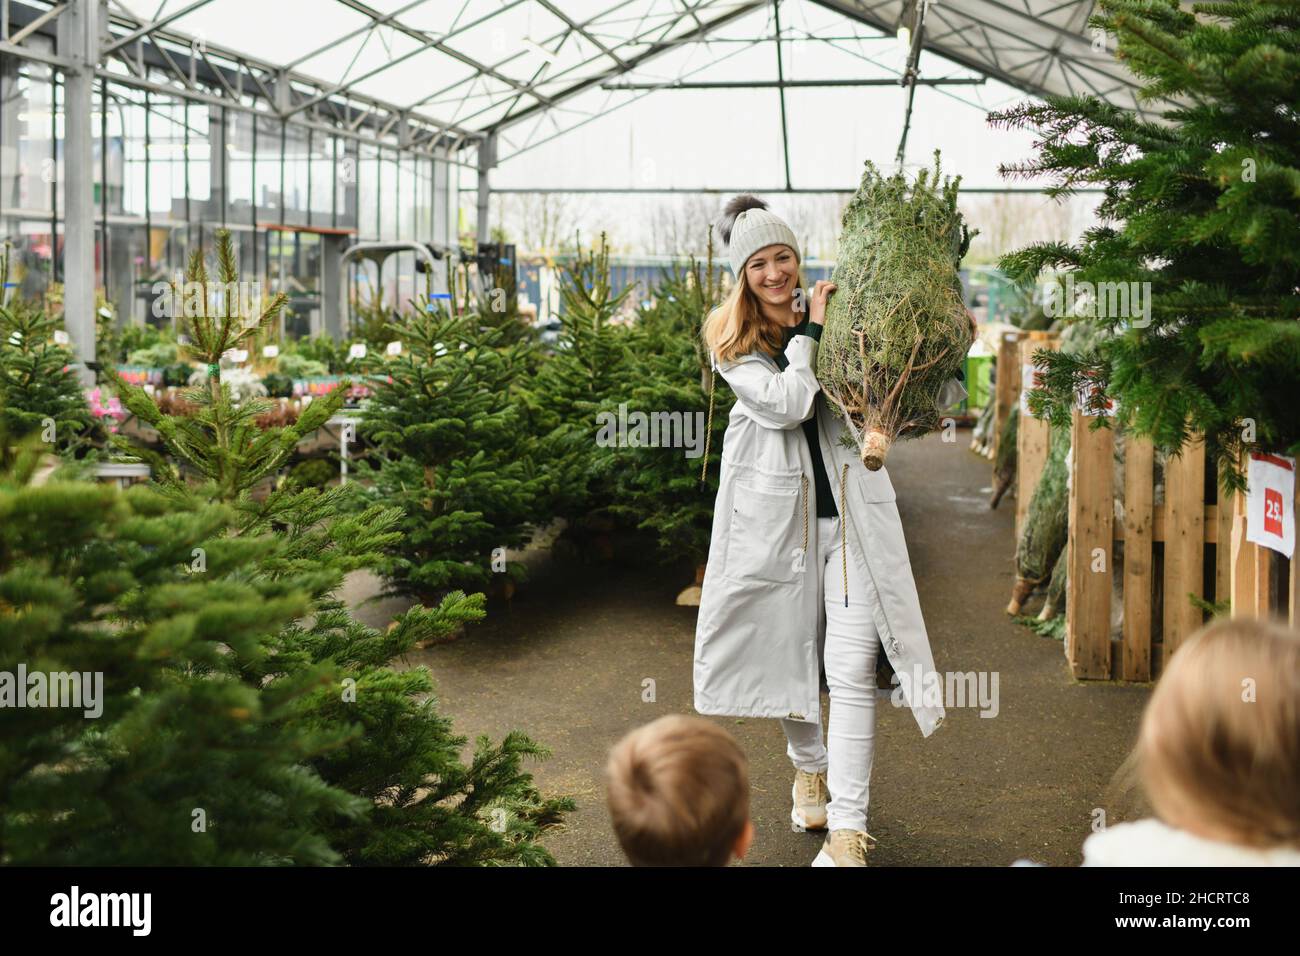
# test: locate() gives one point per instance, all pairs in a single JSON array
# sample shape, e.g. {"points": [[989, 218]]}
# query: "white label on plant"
{"points": [[357, 351], [394, 348], [237, 356], [1270, 502], [61, 337], [270, 351]]}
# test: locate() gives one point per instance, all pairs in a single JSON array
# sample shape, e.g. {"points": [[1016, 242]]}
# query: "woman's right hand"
{"points": [[821, 291]]}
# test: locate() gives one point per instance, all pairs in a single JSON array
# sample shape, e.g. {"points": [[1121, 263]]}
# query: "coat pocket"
{"points": [[765, 534]]}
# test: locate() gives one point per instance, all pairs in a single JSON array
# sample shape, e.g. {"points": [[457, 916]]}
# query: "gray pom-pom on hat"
{"points": [[747, 226]]}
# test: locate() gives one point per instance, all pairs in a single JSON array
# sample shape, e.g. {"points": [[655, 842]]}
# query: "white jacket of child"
{"points": [[1154, 843]]}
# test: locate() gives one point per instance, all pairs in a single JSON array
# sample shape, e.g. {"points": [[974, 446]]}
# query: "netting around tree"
{"points": [[896, 326]]}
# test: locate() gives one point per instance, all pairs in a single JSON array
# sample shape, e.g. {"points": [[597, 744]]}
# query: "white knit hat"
{"points": [[747, 226]]}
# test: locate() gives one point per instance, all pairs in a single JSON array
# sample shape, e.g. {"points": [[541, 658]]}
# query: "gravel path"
{"points": [[566, 662]]}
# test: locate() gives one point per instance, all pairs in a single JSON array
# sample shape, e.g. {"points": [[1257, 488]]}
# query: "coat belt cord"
{"points": [[844, 550], [708, 428], [803, 479]]}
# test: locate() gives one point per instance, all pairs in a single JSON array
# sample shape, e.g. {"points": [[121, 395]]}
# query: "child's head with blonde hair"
{"points": [[1218, 752], [678, 794]]}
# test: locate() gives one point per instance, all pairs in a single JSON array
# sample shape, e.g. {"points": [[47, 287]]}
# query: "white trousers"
{"points": [[852, 644]]}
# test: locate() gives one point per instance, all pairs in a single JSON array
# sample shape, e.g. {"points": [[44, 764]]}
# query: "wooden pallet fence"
{"points": [[1033, 433], [1183, 526]]}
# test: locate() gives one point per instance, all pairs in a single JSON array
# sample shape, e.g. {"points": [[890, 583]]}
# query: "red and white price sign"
{"points": [[1270, 502]]}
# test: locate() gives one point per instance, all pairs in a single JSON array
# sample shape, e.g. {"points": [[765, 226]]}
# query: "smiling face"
{"points": [[772, 273]]}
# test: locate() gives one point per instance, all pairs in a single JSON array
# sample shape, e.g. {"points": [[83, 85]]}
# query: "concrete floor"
{"points": [[566, 660]]}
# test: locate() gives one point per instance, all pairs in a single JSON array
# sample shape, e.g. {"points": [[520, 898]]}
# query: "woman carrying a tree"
{"points": [[807, 558]]}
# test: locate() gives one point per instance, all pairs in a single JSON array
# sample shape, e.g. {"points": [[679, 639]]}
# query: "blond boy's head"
{"points": [[1219, 747], [678, 793]]}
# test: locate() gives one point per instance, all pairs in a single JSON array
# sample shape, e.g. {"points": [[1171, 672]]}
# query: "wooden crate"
{"points": [[1183, 527], [1033, 433]]}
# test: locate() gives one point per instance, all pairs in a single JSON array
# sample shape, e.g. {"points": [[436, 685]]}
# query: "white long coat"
{"points": [[761, 624]]}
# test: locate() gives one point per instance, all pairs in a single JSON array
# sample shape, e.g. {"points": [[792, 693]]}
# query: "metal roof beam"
{"points": [[864, 13], [387, 17], [655, 50], [149, 26], [794, 84], [36, 24], [561, 36], [343, 87], [581, 31], [242, 65], [436, 43]]}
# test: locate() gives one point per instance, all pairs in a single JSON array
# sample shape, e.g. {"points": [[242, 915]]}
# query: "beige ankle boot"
{"points": [[845, 848], [810, 795]]}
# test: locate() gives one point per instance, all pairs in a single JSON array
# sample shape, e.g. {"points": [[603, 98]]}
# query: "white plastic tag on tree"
{"points": [[1270, 502], [1030, 377], [1085, 397], [237, 356], [394, 348], [61, 337], [270, 351], [357, 350]]}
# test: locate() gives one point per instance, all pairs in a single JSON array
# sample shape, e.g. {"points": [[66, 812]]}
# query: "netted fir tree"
{"points": [[897, 329], [1200, 200]]}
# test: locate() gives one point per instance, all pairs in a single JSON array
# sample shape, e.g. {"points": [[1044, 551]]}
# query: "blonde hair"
{"points": [[738, 326], [678, 793], [1218, 751]]}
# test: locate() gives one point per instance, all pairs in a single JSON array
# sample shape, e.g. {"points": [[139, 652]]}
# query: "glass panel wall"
{"points": [[368, 192], [297, 174], [168, 172], [346, 182], [268, 184], [321, 179], [389, 194], [294, 268], [168, 207], [239, 167], [28, 170]]}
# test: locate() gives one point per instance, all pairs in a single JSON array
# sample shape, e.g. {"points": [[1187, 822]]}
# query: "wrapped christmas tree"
{"points": [[896, 327]]}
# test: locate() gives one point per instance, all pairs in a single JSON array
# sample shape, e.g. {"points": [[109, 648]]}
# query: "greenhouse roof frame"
{"points": [[191, 49], [1038, 46]]}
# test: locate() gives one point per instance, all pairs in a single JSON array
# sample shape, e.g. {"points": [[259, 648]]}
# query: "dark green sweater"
{"points": [[825, 497]]}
